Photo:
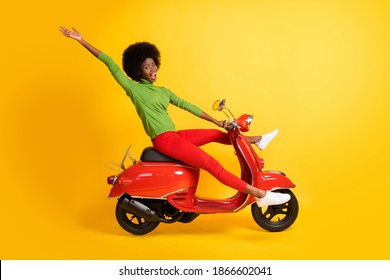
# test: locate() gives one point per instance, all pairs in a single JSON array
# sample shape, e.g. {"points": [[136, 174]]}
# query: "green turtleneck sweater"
{"points": [[150, 101]]}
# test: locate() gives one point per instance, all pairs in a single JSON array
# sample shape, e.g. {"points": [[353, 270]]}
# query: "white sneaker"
{"points": [[266, 139], [273, 198]]}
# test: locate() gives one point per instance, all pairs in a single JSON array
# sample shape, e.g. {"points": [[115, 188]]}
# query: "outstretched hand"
{"points": [[75, 34]]}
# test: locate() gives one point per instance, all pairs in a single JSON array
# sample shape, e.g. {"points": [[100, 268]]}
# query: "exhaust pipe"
{"points": [[138, 209]]}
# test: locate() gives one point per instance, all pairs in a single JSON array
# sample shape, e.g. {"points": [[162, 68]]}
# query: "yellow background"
{"points": [[317, 70]]}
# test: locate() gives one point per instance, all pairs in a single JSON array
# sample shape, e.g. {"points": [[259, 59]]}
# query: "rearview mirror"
{"points": [[219, 105]]}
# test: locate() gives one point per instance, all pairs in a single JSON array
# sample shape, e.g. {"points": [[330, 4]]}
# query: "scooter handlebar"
{"points": [[242, 123], [231, 125]]}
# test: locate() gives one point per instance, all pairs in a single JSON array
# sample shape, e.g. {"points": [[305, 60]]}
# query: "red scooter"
{"points": [[162, 189]]}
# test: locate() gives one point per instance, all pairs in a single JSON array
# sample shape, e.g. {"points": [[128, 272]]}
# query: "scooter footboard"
{"points": [[271, 180]]}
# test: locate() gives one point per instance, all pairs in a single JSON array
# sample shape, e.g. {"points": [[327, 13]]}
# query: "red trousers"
{"points": [[184, 145]]}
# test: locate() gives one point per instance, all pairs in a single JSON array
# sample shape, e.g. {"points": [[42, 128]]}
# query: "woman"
{"points": [[141, 62]]}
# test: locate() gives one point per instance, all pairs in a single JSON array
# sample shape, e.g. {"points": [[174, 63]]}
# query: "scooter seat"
{"points": [[150, 154]]}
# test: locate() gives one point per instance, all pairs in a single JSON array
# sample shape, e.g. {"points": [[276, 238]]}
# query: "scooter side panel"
{"points": [[189, 203], [155, 180], [272, 180]]}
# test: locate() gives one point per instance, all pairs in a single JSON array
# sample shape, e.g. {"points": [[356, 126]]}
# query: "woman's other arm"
{"points": [[207, 117]]}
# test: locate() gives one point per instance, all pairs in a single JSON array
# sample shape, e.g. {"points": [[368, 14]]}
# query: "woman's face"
{"points": [[149, 70]]}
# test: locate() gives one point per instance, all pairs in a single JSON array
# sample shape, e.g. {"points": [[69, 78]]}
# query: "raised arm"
{"points": [[76, 35]]}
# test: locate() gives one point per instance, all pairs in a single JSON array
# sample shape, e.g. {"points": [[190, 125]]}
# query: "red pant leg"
{"points": [[171, 144], [201, 137]]}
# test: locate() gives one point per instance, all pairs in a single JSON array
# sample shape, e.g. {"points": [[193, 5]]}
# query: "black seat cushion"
{"points": [[150, 154]]}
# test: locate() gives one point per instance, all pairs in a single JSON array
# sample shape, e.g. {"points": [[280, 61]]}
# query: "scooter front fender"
{"points": [[272, 180]]}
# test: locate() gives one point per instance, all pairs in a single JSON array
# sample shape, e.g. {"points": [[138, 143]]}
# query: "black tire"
{"points": [[188, 217], [133, 224], [277, 217]]}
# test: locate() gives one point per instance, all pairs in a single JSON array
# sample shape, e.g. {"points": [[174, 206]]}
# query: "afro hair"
{"points": [[135, 55]]}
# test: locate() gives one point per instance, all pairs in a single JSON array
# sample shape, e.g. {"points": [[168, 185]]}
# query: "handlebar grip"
{"points": [[230, 127]]}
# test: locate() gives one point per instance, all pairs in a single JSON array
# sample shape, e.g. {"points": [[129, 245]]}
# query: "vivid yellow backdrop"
{"points": [[317, 70]]}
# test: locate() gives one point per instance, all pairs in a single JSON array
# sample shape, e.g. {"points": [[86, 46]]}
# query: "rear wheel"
{"points": [[277, 217], [132, 223]]}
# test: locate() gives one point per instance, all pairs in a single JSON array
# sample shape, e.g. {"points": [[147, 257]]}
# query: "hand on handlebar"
{"points": [[223, 124]]}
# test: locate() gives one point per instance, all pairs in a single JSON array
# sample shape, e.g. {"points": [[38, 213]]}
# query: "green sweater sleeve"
{"points": [[126, 83], [181, 103]]}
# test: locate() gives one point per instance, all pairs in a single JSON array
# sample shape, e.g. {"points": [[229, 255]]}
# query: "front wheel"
{"points": [[132, 223], [277, 217]]}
